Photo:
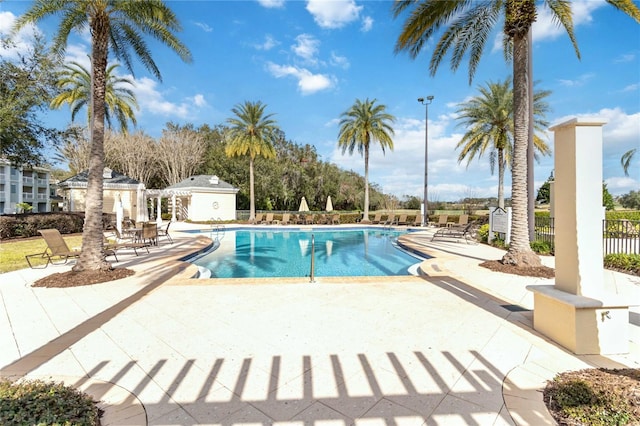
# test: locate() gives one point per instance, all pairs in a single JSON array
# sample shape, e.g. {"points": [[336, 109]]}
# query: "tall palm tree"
{"points": [[116, 26], [360, 126], [467, 26], [75, 82], [251, 133], [488, 119], [626, 160]]}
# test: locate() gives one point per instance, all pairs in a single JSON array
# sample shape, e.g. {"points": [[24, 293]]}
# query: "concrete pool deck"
{"points": [[159, 348]]}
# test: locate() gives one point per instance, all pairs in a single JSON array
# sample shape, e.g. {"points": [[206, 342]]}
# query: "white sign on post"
{"points": [[500, 223]]}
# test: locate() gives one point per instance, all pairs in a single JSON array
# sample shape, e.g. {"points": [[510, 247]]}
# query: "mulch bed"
{"points": [[76, 279], [526, 271]]}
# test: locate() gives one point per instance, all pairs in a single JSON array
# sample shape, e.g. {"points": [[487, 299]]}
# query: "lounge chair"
{"points": [[377, 219], [286, 219], [126, 242], [57, 249], [442, 220], [268, 220], [335, 219], [402, 220], [463, 219], [163, 231], [418, 220], [457, 232], [390, 220]]}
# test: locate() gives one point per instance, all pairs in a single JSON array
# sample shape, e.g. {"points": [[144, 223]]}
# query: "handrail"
{"points": [[313, 249]]}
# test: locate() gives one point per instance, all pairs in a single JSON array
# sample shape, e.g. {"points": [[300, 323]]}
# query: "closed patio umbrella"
{"points": [[329, 206], [304, 207]]}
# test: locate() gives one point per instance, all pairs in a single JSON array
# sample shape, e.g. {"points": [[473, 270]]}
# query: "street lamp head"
{"points": [[430, 98], [421, 100]]}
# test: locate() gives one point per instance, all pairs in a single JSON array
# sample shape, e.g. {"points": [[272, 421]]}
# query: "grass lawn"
{"points": [[12, 252]]}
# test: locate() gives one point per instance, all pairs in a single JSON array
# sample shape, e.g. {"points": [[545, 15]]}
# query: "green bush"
{"points": [[483, 233], [34, 402], [624, 262], [541, 247], [619, 215]]}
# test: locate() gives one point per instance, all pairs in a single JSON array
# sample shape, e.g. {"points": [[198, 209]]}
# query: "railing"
{"points": [[618, 236], [42, 182], [42, 196], [27, 196], [27, 179]]}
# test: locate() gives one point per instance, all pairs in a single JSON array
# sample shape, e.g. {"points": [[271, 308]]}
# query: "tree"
{"points": [[626, 160], [544, 193], [117, 26], [181, 150], [468, 26], [252, 133], [75, 150], [488, 119], [26, 85], [133, 154], [75, 83], [360, 126], [607, 199], [631, 200]]}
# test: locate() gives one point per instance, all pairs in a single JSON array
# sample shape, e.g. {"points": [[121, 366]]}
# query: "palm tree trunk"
{"points": [[501, 167], [520, 253], [365, 216], [252, 199], [92, 256]]}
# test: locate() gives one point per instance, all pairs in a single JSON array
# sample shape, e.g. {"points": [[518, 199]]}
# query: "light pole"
{"points": [[426, 103]]}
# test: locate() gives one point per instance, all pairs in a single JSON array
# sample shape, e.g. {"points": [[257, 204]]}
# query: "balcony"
{"points": [[42, 197], [27, 196], [42, 182], [27, 179]]}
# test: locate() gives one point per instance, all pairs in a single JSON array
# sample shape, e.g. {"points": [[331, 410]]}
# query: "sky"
{"points": [[308, 61]]}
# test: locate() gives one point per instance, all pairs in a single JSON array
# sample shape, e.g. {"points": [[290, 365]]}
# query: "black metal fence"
{"points": [[618, 236]]}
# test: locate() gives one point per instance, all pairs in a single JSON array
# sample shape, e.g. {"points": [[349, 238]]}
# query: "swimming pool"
{"points": [[259, 253]]}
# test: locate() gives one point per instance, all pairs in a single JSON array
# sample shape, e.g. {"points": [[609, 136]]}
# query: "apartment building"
{"points": [[18, 184]]}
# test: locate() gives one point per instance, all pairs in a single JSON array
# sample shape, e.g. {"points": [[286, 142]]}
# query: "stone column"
{"points": [[577, 312]]}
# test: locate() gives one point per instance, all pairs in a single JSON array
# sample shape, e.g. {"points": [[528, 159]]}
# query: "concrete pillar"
{"points": [[577, 312], [173, 207], [159, 211]]}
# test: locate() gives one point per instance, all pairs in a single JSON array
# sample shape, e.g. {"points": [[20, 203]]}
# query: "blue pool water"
{"points": [[287, 253]]}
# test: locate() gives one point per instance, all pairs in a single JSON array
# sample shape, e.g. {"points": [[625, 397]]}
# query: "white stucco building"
{"points": [[202, 198]]}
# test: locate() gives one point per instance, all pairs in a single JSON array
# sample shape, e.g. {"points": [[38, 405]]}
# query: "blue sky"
{"points": [[309, 61]]}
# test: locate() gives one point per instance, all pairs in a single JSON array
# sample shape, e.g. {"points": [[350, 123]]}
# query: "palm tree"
{"points": [[626, 160], [468, 26], [75, 82], [251, 133], [117, 26], [488, 119], [364, 123]]}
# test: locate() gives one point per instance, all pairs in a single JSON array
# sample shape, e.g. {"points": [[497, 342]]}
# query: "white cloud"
{"points": [[199, 100], [367, 24], [622, 184], [545, 28], [152, 101], [308, 83], [206, 28], [625, 58], [22, 41], [271, 3], [580, 81], [339, 61], [306, 47], [268, 44], [333, 14], [631, 88]]}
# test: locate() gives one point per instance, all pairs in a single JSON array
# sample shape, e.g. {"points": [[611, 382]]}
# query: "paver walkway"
{"points": [[445, 350]]}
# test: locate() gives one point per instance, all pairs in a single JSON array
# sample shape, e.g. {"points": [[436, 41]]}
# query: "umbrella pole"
{"points": [[313, 248]]}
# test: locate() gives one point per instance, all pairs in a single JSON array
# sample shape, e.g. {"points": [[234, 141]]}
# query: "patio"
{"points": [[454, 348]]}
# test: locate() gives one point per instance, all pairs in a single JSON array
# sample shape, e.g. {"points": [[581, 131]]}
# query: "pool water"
{"points": [[271, 253]]}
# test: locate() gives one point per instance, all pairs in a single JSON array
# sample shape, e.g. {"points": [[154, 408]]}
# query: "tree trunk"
{"points": [[520, 253], [365, 215], [252, 199], [92, 256], [501, 167]]}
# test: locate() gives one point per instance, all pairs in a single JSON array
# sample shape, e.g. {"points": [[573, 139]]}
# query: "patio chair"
{"points": [[125, 242], [402, 220], [418, 220], [268, 220], [377, 219], [457, 232], [335, 219], [57, 249], [390, 220], [442, 220], [286, 219], [163, 231], [463, 219], [150, 233]]}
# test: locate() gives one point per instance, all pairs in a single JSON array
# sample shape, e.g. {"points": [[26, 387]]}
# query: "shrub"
{"points": [[624, 262], [541, 247], [35, 402], [483, 233]]}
